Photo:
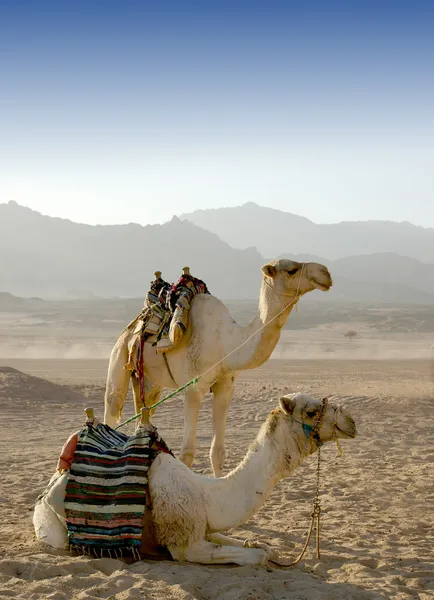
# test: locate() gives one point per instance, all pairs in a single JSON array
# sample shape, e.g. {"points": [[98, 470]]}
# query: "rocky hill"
{"points": [[58, 259], [53, 257]]}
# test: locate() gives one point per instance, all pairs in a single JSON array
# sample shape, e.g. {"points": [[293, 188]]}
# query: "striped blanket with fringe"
{"points": [[105, 496]]}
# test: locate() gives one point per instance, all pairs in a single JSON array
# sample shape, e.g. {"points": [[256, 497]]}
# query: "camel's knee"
{"points": [[114, 404], [187, 456], [217, 456]]}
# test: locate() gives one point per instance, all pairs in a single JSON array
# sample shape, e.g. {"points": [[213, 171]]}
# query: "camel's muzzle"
{"points": [[323, 282], [344, 424]]}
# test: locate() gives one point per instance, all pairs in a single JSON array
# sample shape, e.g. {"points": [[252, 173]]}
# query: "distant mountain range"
{"points": [[274, 232], [52, 257], [56, 258]]}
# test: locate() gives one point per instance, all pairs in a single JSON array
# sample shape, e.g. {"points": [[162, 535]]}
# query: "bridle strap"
{"points": [[280, 293], [313, 430], [318, 423], [296, 296], [316, 510]]}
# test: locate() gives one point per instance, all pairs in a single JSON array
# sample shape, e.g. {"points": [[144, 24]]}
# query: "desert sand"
{"points": [[378, 498]]}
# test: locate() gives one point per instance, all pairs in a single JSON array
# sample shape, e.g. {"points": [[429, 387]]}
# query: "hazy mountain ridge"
{"points": [[57, 258], [274, 232], [50, 257]]}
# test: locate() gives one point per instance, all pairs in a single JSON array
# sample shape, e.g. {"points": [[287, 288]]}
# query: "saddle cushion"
{"points": [[107, 496]]}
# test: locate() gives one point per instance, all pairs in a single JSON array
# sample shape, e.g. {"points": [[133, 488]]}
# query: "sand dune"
{"points": [[378, 499]]}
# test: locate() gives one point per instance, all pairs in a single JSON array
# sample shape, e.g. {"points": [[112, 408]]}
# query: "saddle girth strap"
{"points": [[169, 370]]}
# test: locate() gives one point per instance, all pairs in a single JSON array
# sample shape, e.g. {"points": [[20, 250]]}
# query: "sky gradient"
{"points": [[112, 112]]}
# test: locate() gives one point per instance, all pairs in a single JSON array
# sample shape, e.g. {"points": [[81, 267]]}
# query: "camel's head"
{"points": [[301, 424], [290, 278], [318, 421]]}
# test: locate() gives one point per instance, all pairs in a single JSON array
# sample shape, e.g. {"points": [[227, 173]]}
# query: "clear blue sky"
{"points": [[119, 111]]}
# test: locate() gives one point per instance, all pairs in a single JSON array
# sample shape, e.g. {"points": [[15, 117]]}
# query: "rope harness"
{"points": [[315, 515]]}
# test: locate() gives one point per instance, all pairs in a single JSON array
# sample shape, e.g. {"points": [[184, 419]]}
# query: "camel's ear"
{"points": [[287, 405], [269, 270]]}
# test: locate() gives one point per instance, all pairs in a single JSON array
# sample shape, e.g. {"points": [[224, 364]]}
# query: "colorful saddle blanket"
{"points": [[106, 494]]}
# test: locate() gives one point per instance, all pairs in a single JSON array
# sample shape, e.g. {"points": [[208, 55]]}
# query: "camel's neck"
{"points": [[235, 498], [260, 338]]}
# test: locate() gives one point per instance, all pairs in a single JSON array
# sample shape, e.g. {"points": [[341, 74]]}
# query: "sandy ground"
{"points": [[378, 499]]}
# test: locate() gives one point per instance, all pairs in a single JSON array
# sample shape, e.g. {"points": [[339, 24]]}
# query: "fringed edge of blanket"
{"points": [[128, 552]]}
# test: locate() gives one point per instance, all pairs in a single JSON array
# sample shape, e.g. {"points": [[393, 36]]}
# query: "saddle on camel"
{"points": [[163, 319], [107, 504]]}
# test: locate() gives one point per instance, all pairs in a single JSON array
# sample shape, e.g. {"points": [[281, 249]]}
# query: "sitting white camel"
{"points": [[217, 347], [190, 509]]}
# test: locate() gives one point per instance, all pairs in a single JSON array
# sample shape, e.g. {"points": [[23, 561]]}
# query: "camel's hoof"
{"points": [[272, 553]]}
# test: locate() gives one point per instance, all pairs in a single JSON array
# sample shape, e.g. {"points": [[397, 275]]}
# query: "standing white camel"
{"points": [[188, 509], [216, 345]]}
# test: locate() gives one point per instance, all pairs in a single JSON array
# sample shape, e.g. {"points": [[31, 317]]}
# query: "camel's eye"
{"points": [[311, 413], [292, 271]]}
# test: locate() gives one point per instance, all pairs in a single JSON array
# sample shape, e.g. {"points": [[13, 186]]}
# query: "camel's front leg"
{"points": [[207, 553], [152, 393], [118, 379], [225, 540], [219, 538], [193, 398], [222, 390]]}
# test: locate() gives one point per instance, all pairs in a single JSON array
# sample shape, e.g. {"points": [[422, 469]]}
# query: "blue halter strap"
{"points": [[313, 429], [306, 428]]}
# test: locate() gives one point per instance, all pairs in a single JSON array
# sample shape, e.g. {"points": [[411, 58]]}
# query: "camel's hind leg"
{"points": [[118, 379]]}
